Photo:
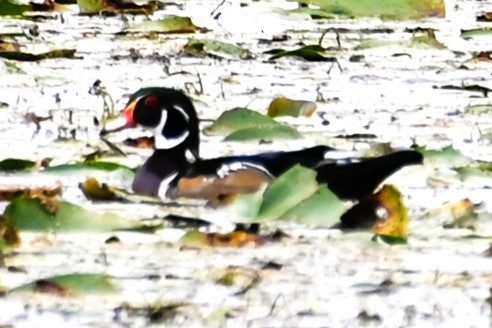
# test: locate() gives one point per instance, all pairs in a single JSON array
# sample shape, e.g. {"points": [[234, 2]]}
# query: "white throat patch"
{"points": [[161, 142]]}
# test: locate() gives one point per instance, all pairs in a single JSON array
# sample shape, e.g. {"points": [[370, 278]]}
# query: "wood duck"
{"points": [[170, 173]]}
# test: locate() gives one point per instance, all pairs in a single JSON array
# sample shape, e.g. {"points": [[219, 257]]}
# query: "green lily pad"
{"points": [[32, 214], [90, 6], [217, 48], [471, 88], [265, 133], [312, 12], [26, 56], [15, 164], [476, 31], [70, 285], [392, 9], [479, 109], [447, 157], [420, 41], [241, 124], [171, 24], [322, 208], [287, 191], [237, 119], [312, 52], [9, 8]]}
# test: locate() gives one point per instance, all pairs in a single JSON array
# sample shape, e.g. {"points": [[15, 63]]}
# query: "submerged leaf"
{"points": [[69, 285], [287, 191], [30, 214], [217, 48], [394, 9], [283, 106], [25, 56], [171, 24]]}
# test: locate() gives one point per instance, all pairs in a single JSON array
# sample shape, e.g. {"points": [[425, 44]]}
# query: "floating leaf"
{"points": [[217, 48], [88, 166], [171, 24], [283, 106], [476, 31], [245, 124], [9, 192], [322, 208], [309, 53], [8, 234], [15, 164], [25, 56], [479, 109], [9, 46], [471, 88], [384, 212], [426, 39], [312, 12], [116, 7], [94, 190], [460, 214], [393, 9], [30, 214], [70, 285], [447, 157], [9, 8], [287, 191], [265, 133], [243, 278], [234, 239]]}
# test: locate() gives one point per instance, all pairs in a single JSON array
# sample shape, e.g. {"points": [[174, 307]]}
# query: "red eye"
{"points": [[151, 101]]}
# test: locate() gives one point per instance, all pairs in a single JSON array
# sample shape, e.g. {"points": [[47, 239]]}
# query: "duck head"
{"points": [[168, 113]]}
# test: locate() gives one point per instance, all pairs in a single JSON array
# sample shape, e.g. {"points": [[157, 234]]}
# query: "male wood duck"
{"points": [[169, 172]]}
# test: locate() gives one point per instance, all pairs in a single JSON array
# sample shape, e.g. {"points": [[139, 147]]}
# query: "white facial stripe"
{"points": [[182, 111], [164, 186], [161, 142]]}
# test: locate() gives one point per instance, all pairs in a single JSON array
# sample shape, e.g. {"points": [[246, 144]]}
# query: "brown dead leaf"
{"points": [[9, 192], [7, 233], [9, 46], [93, 190], [50, 287], [235, 239]]}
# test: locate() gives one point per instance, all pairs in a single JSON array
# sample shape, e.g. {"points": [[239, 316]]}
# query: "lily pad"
{"points": [[116, 7], [392, 9], [241, 124], [217, 48], [314, 53], [322, 208], [69, 285], [447, 157], [287, 191], [476, 31], [265, 133], [171, 24], [32, 214], [26, 56], [425, 40], [9, 8], [282, 106], [89, 166], [15, 164]]}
